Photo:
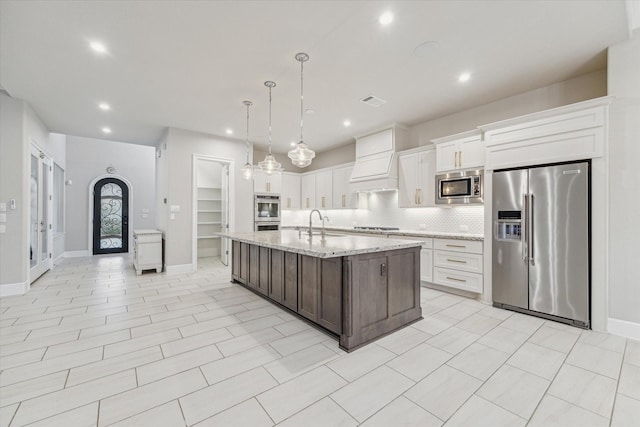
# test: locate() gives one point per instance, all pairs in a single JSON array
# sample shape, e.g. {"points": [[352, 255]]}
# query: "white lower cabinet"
{"points": [[426, 256], [458, 264], [147, 250]]}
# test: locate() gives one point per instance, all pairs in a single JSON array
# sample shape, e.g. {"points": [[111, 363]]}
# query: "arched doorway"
{"points": [[110, 216]]}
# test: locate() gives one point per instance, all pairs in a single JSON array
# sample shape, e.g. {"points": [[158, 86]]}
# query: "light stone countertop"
{"points": [[399, 233], [333, 245]]}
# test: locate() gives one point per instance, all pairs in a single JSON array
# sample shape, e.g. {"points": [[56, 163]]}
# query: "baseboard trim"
{"points": [[624, 328], [179, 269], [76, 254], [11, 289]]}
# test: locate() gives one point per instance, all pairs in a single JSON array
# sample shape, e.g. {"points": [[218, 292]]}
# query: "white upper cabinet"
{"points": [[461, 151], [324, 190], [308, 191], [290, 195], [342, 197], [263, 183], [416, 186]]}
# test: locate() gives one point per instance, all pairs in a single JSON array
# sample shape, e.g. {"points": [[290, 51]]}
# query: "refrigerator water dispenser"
{"points": [[509, 226]]}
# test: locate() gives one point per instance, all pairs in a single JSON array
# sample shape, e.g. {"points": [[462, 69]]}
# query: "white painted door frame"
{"points": [[194, 199]]}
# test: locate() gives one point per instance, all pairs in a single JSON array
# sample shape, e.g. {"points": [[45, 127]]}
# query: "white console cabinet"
{"points": [[147, 250]]}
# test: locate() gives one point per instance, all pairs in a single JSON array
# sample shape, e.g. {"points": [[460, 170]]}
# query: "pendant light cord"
{"points": [[248, 105], [270, 120], [301, 100]]}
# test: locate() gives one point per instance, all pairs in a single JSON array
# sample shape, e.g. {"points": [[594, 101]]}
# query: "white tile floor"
{"points": [[92, 344]]}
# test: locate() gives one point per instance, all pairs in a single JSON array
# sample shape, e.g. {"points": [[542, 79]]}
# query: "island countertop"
{"points": [[331, 246]]}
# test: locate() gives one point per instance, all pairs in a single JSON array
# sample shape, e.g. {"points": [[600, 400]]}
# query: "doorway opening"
{"points": [[110, 216], [211, 208]]}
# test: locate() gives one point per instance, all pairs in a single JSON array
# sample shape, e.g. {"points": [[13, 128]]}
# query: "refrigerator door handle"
{"points": [[525, 228], [531, 231]]}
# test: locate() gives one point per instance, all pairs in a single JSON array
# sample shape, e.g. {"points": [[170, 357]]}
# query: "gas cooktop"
{"points": [[377, 228]]}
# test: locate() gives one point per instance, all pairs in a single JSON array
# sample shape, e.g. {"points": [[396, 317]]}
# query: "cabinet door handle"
{"points": [[460, 158], [455, 279], [322, 201], [289, 202], [344, 200], [455, 159], [419, 196], [307, 201], [456, 260], [456, 246], [415, 197], [383, 269]]}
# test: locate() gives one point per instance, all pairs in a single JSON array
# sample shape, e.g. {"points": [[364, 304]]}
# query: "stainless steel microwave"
{"points": [[267, 208], [460, 188]]}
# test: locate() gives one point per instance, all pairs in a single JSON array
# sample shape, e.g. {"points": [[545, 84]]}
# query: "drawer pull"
{"points": [[456, 246], [457, 260], [456, 279]]}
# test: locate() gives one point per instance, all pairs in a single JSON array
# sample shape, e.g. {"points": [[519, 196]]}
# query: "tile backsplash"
{"points": [[384, 212]]}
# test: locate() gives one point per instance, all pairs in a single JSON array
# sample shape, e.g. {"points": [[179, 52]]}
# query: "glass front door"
{"points": [[110, 216]]}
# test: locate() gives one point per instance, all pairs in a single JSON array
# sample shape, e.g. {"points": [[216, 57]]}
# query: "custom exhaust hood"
{"points": [[376, 166]]}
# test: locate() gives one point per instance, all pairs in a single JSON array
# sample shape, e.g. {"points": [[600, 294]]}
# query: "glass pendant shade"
{"points": [[270, 165], [301, 155], [247, 169]]}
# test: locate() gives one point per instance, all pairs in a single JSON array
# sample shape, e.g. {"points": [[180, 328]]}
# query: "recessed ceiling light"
{"points": [[98, 47], [464, 77], [229, 131], [104, 106], [292, 143], [106, 130], [386, 18], [346, 123]]}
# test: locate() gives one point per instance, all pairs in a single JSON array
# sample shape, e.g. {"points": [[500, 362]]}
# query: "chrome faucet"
{"points": [[323, 218], [311, 225]]}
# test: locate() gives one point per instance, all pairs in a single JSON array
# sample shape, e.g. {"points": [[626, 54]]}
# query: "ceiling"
{"points": [[190, 64]]}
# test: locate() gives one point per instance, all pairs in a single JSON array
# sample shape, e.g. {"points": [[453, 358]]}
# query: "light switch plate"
{"points": [[174, 208], [3, 207]]}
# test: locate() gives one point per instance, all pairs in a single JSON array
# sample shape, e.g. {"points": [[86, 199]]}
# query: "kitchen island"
{"points": [[359, 288]]}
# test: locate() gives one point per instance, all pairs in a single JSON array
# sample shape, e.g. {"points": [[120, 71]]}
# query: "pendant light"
{"points": [[301, 155], [269, 165], [247, 170]]}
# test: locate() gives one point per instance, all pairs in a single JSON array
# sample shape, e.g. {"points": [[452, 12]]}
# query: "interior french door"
{"points": [[110, 216], [40, 233]]}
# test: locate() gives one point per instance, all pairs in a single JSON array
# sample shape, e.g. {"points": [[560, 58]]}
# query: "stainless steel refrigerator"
{"points": [[541, 241]]}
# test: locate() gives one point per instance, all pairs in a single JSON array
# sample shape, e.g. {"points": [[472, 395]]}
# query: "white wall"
{"points": [[624, 196], [19, 128], [13, 168], [176, 185], [587, 86], [89, 158]]}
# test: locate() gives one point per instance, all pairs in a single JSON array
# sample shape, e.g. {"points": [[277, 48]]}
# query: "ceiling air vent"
{"points": [[373, 101]]}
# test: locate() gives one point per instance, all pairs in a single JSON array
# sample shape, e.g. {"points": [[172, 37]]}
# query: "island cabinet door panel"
{"points": [[330, 294], [308, 289], [244, 263], [263, 270], [402, 298], [235, 259], [276, 285], [290, 284], [372, 292], [254, 266]]}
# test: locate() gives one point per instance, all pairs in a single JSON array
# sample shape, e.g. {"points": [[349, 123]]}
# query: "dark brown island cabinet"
{"points": [[357, 297]]}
